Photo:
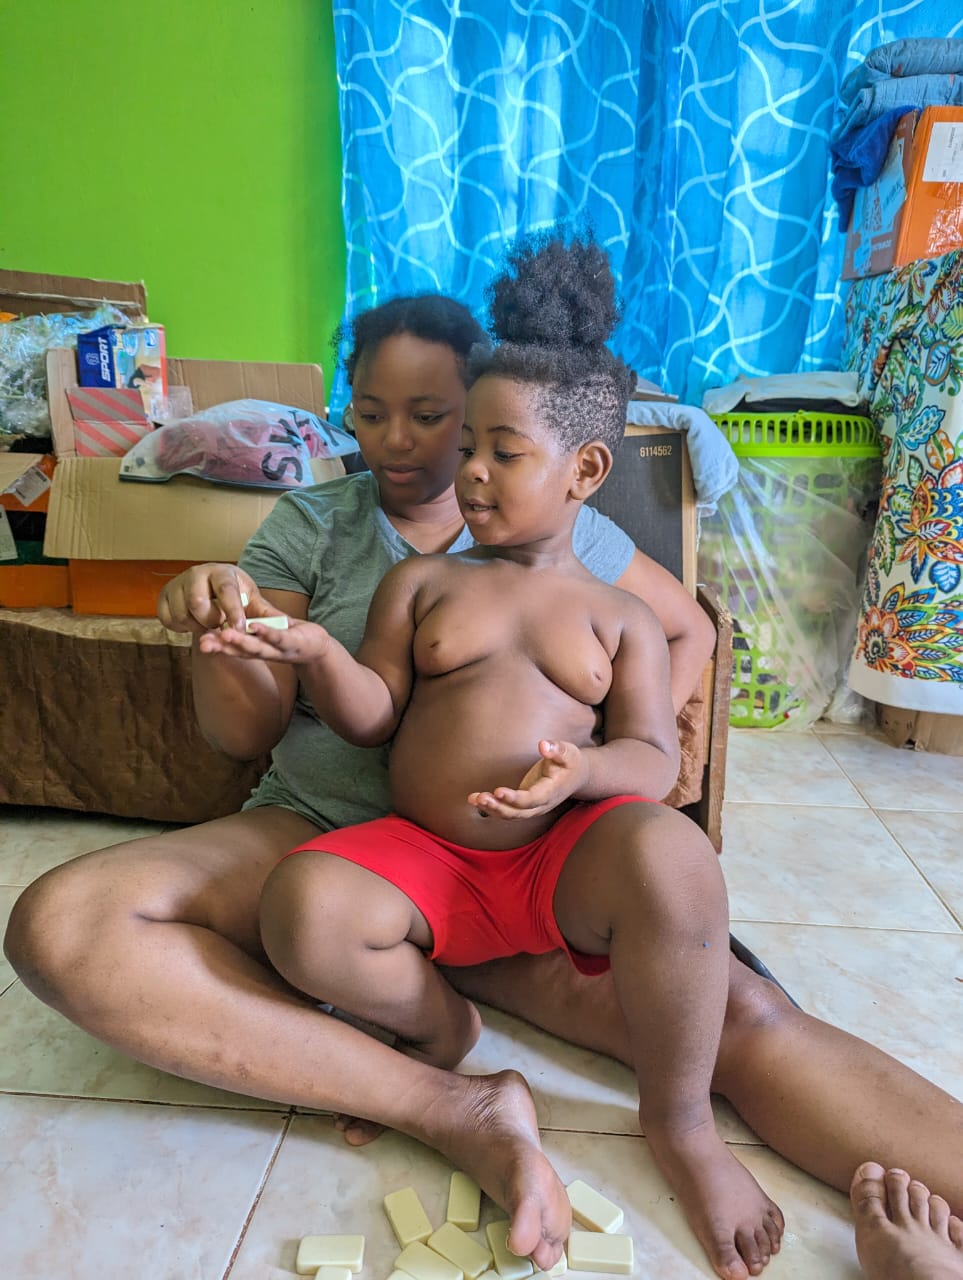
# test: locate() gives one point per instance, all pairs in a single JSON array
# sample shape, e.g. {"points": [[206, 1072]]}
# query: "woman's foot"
{"points": [[487, 1127], [733, 1219], [902, 1231], [447, 1054]]}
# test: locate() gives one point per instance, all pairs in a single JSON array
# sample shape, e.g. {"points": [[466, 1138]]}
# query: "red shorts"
{"points": [[479, 904]]}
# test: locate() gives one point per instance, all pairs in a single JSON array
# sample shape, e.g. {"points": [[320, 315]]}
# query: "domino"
{"points": [[315, 1252], [274, 622], [591, 1209], [466, 1254], [421, 1263], [334, 1273], [508, 1265], [601, 1252], [407, 1216], [464, 1202], [245, 600]]}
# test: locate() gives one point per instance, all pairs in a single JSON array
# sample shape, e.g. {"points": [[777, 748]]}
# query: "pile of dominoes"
{"points": [[450, 1253]]}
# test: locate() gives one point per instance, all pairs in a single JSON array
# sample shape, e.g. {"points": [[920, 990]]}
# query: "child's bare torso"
{"points": [[504, 655]]}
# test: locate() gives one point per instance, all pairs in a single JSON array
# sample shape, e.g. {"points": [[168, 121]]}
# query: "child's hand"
{"points": [[300, 644], [557, 775]]}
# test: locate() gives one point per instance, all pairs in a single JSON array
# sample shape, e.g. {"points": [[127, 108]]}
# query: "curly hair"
{"points": [[552, 311], [432, 317]]}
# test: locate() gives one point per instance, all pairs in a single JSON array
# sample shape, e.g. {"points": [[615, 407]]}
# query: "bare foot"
{"points": [[733, 1219], [489, 1130], [447, 1055], [902, 1231]]}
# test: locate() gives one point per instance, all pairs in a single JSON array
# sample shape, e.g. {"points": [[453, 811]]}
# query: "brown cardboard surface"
{"points": [[95, 516], [217, 381], [34, 293], [924, 730], [13, 465], [18, 490]]}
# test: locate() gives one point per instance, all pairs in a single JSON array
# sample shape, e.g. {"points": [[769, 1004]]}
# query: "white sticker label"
{"points": [[28, 487], [944, 155], [8, 548]]}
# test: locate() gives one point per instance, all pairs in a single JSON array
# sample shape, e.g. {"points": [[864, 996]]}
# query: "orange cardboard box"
{"points": [[123, 542], [914, 209]]}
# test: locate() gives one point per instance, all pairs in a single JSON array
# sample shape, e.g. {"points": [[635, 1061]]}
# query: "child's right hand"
{"points": [[207, 596], [301, 643]]}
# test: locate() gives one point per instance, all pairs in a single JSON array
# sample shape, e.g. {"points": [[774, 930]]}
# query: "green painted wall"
{"points": [[192, 144]]}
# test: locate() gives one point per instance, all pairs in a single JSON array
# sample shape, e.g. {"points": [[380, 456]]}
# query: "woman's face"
{"points": [[408, 405]]}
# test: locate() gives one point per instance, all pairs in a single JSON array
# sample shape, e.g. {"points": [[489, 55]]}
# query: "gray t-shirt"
{"points": [[333, 543]]}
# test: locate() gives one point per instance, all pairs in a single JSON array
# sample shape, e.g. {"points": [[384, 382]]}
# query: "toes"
{"points": [[918, 1197], [940, 1216], [725, 1257], [867, 1193], [955, 1230], [897, 1183], [775, 1225]]}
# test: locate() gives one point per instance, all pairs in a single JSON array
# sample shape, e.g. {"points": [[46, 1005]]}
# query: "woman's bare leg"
{"points": [[153, 947], [824, 1099], [643, 886]]}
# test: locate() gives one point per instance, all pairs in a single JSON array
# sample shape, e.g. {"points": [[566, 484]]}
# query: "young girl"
{"points": [[476, 665]]}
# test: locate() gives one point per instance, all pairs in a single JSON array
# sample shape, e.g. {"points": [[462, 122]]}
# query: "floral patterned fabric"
{"points": [[905, 341]]}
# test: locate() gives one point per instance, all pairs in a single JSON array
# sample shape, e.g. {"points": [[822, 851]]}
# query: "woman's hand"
{"points": [[300, 644], [208, 596], [557, 775]]}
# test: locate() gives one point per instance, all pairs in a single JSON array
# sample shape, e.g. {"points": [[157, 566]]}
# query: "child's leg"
{"points": [[643, 884], [342, 934]]}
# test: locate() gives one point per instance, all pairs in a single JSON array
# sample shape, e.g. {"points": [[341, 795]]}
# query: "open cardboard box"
{"points": [[123, 540], [32, 293]]}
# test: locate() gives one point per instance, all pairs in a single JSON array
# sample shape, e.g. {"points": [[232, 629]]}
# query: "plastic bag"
{"points": [[23, 368], [244, 442], [786, 553]]}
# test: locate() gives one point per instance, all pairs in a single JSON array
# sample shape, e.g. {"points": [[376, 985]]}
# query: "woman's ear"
{"points": [[593, 462]]}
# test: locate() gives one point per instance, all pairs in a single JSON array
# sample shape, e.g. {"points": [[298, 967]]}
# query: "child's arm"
{"points": [[361, 699], [640, 752]]}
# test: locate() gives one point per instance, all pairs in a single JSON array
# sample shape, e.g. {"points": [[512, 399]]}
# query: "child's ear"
{"points": [[593, 462]]}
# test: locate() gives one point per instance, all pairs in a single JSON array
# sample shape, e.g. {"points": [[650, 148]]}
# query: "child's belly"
{"points": [[475, 730]]}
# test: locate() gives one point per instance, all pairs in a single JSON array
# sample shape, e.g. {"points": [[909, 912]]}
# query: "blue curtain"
{"points": [[693, 137]]}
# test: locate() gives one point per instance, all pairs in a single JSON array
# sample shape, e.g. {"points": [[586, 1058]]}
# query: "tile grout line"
{"points": [[144, 1102], [285, 1130], [922, 874]]}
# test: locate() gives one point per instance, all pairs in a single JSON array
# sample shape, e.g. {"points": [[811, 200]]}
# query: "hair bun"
{"points": [[554, 293]]}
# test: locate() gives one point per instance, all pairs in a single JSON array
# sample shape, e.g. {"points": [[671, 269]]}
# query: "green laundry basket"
{"points": [[815, 473]]}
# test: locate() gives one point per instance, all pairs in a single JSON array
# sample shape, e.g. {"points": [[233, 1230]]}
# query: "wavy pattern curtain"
{"points": [[694, 137]]}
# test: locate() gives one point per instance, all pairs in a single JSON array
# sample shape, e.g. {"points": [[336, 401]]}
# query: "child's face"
{"points": [[408, 404], [513, 484]]}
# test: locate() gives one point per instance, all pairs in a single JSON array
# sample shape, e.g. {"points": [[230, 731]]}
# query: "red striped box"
{"points": [[107, 420]]}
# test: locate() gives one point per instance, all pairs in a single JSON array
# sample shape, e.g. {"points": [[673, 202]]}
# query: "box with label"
{"points": [[131, 356], [914, 209]]}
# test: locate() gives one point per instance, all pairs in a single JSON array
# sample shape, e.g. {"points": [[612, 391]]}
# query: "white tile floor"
{"points": [[843, 857]]}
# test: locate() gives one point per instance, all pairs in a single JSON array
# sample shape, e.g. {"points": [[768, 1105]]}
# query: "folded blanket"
{"points": [[910, 74]]}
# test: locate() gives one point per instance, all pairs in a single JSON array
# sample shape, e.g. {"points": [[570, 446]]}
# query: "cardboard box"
{"points": [[923, 730], [125, 541], [134, 356], [34, 293], [914, 209]]}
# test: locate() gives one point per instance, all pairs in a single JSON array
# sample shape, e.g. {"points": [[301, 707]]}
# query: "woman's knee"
{"points": [[754, 1006], [52, 927], [304, 913]]}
